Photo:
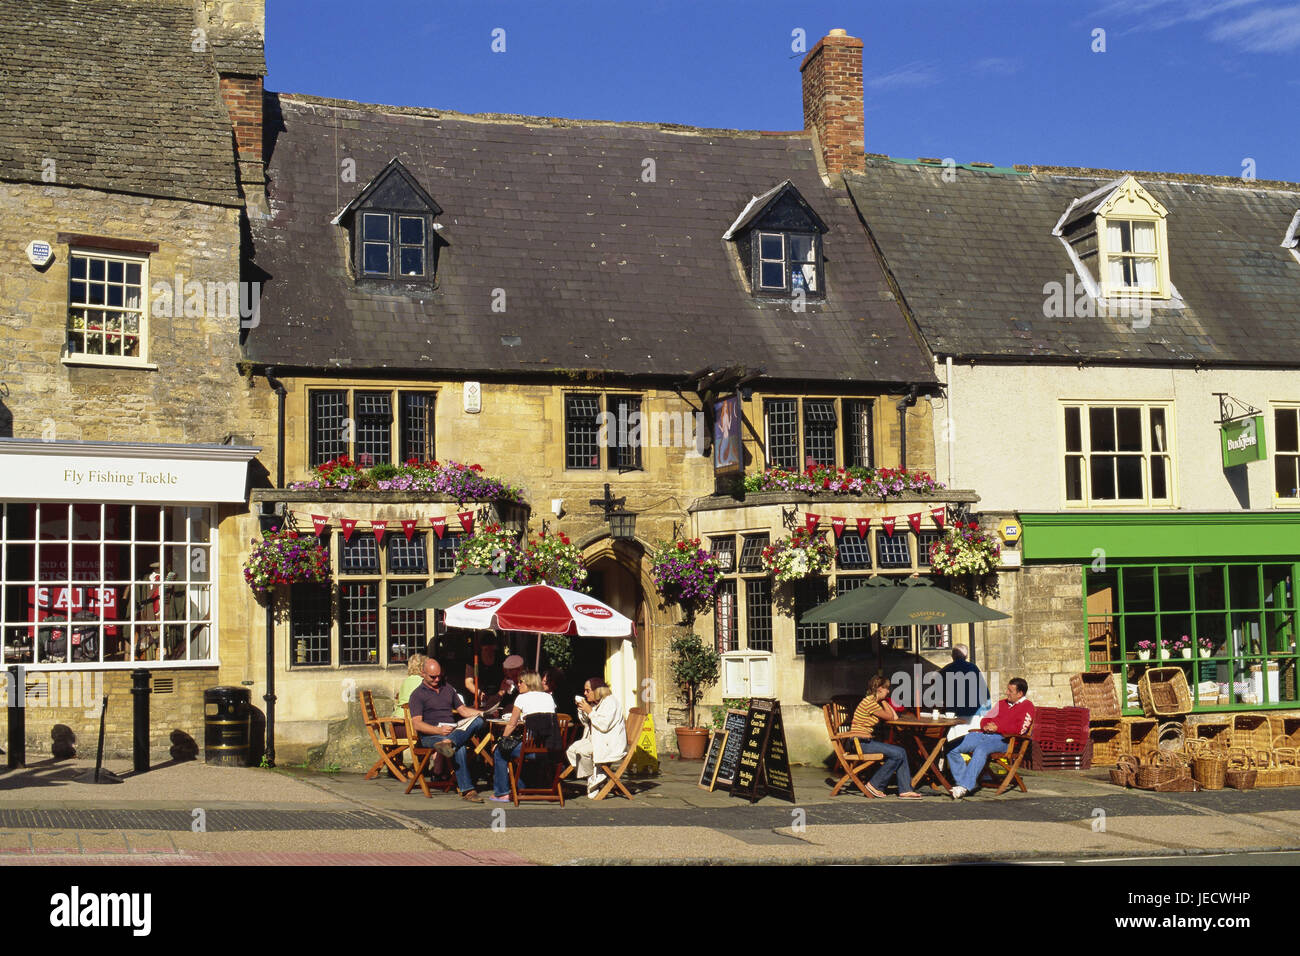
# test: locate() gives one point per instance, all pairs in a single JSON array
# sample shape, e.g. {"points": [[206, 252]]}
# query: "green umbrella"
{"points": [[444, 594], [916, 602]]}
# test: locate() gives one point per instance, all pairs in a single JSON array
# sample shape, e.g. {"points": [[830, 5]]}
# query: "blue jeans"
{"points": [[459, 738], [979, 745], [894, 765], [507, 747]]}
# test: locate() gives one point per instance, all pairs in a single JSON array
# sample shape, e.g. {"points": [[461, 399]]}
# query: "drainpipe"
{"points": [[903, 405], [269, 696], [952, 436]]}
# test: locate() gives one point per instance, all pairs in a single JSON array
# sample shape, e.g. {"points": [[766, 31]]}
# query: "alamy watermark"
{"points": [[59, 690], [626, 429], [1075, 300], [214, 300]]}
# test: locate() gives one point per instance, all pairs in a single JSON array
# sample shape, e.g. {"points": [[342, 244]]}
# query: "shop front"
{"points": [[109, 562], [1211, 593]]}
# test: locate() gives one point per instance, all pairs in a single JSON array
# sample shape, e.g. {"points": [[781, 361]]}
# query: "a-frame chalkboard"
{"points": [[730, 757], [764, 764]]}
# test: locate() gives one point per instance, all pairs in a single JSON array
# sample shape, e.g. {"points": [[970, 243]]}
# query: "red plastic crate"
{"points": [[1040, 759], [1061, 729]]}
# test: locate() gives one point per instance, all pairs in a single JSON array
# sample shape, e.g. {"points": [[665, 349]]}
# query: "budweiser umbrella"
{"points": [[540, 608]]}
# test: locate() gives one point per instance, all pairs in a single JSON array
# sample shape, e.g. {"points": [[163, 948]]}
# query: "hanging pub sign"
{"points": [[1243, 441], [727, 450]]}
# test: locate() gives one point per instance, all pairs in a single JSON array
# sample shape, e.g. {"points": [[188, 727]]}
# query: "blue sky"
{"points": [[1199, 86]]}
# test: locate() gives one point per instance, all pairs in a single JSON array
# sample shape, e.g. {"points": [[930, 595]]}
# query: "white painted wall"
{"points": [[1009, 438]]}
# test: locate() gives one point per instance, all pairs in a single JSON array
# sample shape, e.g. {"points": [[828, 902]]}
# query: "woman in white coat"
{"points": [[604, 739]]}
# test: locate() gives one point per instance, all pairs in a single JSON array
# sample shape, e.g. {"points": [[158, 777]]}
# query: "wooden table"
{"points": [[913, 734]]}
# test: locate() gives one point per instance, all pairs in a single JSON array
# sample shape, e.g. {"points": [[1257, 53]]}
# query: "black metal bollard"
{"points": [[17, 717], [140, 690]]}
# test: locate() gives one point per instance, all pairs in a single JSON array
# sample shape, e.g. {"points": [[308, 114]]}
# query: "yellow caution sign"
{"points": [[1009, 530], [645, 759]]}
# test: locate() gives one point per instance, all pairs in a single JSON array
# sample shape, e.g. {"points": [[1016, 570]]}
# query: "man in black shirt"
{"points": [[435, 705]]}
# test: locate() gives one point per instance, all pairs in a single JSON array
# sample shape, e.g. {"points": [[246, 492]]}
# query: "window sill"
{"points": [[107, 361]]}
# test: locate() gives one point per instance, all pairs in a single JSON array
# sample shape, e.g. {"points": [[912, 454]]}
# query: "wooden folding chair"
{"points": [[636, 718], [1005, 766], [848, 752], [543, 741], [420, 759], [388, 734]]}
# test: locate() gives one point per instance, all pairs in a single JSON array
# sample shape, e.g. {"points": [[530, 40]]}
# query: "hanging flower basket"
{"points": [[285, 557], [965, 549], [685, 574], [554, 560], [801, 555], [492, 548]]}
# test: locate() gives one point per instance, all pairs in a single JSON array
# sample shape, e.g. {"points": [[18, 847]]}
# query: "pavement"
{"points": [[195, 814]]}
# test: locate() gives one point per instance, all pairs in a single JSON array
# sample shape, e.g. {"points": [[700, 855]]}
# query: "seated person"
{"points": [[435, 705], [964, 689], [604, 737], [1012, 715], [490, 673], [531, 700], [414, 677], [874, 708], [504, 691]]}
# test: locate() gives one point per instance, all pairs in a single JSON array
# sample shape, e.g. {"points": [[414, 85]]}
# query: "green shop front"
{"points": [[1211, 593]]}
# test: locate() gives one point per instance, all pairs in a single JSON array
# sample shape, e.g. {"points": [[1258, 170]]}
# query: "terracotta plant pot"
{"points": [[692, 742]]}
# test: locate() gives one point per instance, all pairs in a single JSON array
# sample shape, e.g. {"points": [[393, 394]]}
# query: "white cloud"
{"points": [[916, 73], [1274, 30], [998, 65]]}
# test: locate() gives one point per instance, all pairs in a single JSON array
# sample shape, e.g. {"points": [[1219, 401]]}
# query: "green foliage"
{"points": [[695, 666], [728, 703], [558, 650], [384, 470]]}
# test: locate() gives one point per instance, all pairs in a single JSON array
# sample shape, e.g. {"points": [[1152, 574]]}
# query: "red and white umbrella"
{"points": [[541, 608]]}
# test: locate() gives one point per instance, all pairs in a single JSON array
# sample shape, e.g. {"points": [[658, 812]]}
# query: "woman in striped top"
{"points": [[874, 708]]}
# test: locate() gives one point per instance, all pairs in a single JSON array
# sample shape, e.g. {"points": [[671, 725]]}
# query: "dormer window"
{"points": [[779, 240], [394, 236], [788, 261], [1118, 239]]}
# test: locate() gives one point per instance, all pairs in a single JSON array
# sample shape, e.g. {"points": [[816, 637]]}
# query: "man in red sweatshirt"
{"points": [[1012, 715]]}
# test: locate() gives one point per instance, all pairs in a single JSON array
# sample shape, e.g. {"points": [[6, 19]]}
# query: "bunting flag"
{"points": [[408, 527], [439, 526], [320, 523], [379, 527], [864, 525], [914, 522], [348, 525], [466, 521], [837, 525], [810, 521], [888, 525], [938, 515]]}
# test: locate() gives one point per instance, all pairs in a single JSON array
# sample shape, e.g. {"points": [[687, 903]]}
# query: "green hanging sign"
{"points": [[1243, 441]]}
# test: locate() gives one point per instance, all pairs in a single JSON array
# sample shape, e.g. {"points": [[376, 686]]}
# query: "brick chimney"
{"points": [[833, 103], [234, 30]]}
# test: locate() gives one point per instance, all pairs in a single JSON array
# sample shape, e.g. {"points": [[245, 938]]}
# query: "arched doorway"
{"points": [[614, 576]]}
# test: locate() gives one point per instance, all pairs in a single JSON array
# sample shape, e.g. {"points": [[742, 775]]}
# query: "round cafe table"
{"points": [[924, 737]]}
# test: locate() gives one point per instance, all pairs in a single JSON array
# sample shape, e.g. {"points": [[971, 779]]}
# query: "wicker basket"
{"points": [[1287, 761], [1269, 773], [1195, 746], [1152, 776], [1285, 730], [1241, 779], [1141, 736], [1125, 773], [1163, 692], [1108, 742], [1210, 770], [1252, 731], [1096, 691], [1217, 732], [1171, 736]]}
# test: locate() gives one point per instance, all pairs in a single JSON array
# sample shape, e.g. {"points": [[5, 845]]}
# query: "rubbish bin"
{"points": [[226, 725]]}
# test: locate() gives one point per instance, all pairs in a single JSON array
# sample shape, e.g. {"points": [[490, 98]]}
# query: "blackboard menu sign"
{"points": [[764, 765], [713, 759], [734, 726]]}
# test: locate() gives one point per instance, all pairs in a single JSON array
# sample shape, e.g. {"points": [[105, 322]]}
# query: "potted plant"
{"points": [[554, 560], [965, 549], [1164, 650], [694, 667], [1144, 650], [1183, 646], [1206, 645]]}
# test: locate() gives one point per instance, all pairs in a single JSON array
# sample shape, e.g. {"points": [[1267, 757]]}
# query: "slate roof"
{"points": [[113, 93], [601, 270], [971, 258]]}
